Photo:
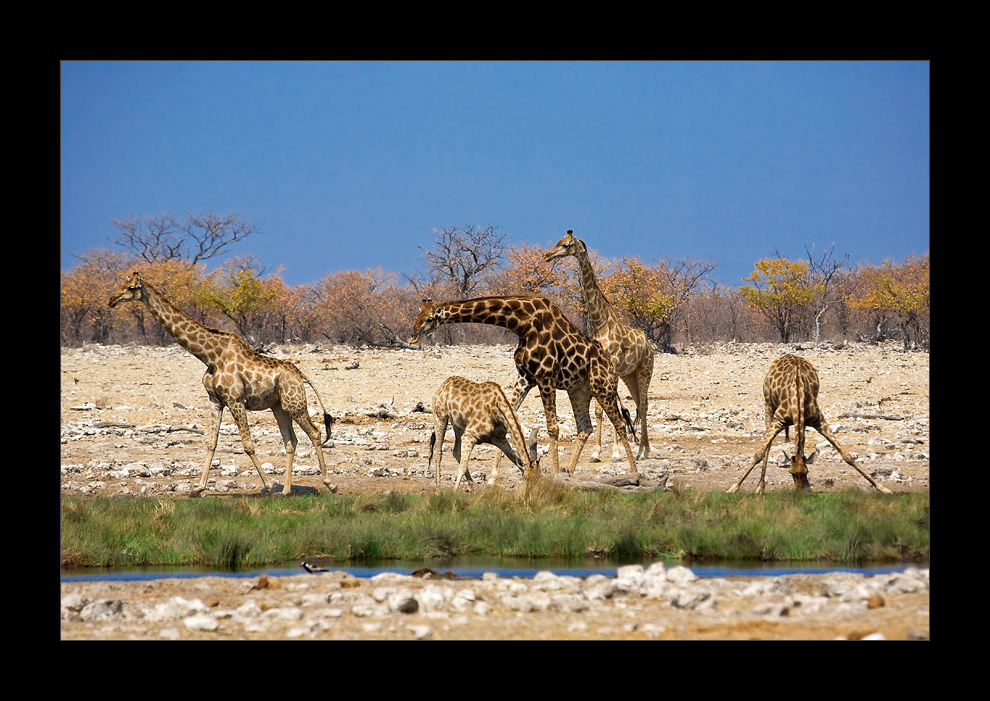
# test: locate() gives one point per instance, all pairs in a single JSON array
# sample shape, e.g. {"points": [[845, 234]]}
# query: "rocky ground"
{"points": [[133, 421], [654, 603]]}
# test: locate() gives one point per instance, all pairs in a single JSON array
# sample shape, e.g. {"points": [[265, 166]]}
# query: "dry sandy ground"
{"points": [[133, 421], [139, 406]]}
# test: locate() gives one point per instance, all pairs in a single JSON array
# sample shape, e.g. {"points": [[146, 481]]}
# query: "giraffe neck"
{"points": [[200, 340], [517, 439], [512, 313], [600, 312]]}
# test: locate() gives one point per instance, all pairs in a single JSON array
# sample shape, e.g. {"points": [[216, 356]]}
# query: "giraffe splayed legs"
{"points": [[790, 392]]}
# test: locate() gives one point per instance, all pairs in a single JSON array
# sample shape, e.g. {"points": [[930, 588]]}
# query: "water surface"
{"points": [[475, 567]]}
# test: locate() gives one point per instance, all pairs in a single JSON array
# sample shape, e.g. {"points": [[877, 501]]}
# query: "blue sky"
{"points": [[352, 165]]}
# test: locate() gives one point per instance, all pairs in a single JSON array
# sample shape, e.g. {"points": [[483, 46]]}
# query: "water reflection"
{"points": [[475, 567]]}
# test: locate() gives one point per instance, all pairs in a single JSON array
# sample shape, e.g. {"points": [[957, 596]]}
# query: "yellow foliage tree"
{"points": [[642, 294], [653, 296], [781, 291], [900, 292], [239, 294]]}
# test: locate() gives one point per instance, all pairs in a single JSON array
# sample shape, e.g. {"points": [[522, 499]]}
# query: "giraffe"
{"points": [[552, 354], [790, 391], [239, 379], [630, 348], [479, 413]]}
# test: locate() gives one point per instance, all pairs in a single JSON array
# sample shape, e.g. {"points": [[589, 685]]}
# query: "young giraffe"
{"points": [[790, 391], [629, 347], [552, 354], [237, 378], [479, 413]]}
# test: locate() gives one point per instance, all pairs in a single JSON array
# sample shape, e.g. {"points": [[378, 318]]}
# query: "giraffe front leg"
{"points": [[823, 429], [581, 405], [735, 487], [240, 417], [548, 395], [215, 418], [763, 454], [582, 438]]}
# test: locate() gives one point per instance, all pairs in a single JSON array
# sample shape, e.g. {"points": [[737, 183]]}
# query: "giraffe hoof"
{"points": [[331, 487]]}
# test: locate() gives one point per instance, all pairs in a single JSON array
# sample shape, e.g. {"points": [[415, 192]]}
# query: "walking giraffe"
{"points": [[790, 391], [239, 379], [629, 347], [479, 413], [552, 354]]}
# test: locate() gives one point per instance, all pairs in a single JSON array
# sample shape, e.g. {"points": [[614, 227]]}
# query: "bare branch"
{"points": [[197, 238]]}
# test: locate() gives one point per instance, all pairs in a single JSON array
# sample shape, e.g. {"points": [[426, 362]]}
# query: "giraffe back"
{"points": [[791, 394]]}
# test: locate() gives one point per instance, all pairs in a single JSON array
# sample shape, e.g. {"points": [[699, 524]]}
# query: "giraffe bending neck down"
{"points": [[479, 413], [239, 379], [552, 354], [629, 347], [790, 392]]}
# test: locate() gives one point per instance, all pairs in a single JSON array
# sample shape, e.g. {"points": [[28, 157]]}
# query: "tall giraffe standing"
{"points": [[237, 378], [479, 413], [629, 347], [552, 354], [790, 392]]}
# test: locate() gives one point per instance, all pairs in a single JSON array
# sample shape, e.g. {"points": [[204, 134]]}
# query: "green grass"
{"points": [[847, 527]]}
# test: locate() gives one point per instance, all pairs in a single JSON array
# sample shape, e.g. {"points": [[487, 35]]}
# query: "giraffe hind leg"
{"points": [[313, 431], [462, 470], [289, 439], [616, 417]]}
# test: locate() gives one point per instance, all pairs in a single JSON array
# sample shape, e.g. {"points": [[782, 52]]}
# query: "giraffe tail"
{"points": [[327, 418], [629, 424]]}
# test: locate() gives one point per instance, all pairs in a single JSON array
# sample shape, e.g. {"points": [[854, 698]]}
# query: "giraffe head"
{"points": [[799, 468], [429, 318], [131, 291], [567, 246]]}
